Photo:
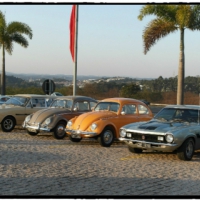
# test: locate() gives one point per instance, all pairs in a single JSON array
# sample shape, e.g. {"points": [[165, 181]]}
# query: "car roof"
{"points": [[76, 98], [196, 107], [33, 95], [122, 99]]}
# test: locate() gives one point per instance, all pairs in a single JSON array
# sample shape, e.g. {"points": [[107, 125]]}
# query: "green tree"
{"points": [[130, 90], [9, 33], [170, 18]]}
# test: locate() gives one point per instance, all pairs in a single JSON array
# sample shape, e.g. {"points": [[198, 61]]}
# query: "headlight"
{"points": [[93, 126], [69, 124], [48, 121], [122, 133], [27, 119], [169, 138]]}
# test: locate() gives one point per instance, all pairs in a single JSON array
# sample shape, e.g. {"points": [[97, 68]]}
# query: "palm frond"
{"points": [[155, 30], [183, 15], [20, 39], [2, 20], [195, 18], [167, 12], [18, 27]]}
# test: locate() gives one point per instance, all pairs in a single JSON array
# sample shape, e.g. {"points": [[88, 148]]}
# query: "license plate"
{"points": [[32, 130], [75, 136], [144, 145], [139, 144]]}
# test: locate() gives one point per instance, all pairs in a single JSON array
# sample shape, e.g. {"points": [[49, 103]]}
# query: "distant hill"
{"points": [[61, 76], [47, 76]]}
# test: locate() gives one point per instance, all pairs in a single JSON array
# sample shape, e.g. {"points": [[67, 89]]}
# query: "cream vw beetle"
{"points": [[14, 111]]}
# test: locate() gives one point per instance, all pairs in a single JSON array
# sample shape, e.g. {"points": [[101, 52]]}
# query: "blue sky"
{"points": [[109, 43]]}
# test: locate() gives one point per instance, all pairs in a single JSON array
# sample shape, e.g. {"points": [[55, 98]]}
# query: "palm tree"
{"points": [[9, 33], [171, 18]]}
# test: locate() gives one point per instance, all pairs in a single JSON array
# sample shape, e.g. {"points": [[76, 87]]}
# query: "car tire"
{"points": [[32, 133], [8, 124], [59, 130], [134, 150], [106, 138], [75, 139], [186, 151]]}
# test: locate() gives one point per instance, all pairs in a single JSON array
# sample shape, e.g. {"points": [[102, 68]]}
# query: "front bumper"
{"points": [[35, 128], [165, 147], [80, 134]]}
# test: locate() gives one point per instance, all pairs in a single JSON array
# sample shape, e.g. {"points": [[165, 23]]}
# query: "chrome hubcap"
{"points": [[8, 124], [60, 130], [108, 136]]}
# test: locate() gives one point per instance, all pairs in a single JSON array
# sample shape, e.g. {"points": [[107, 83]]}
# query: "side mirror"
{"points": [[123, 113], [75, 109]]}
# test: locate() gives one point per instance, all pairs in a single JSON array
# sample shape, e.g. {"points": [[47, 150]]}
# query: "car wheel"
{"points": [[8, 124], [59, 130], [32, 133], [186, 151], [75, 139], [107, 137], [134, 150]]}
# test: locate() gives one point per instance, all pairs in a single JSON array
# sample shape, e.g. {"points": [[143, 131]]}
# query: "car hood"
{"points": [[43, 114], [85, 120], [156, 126]]}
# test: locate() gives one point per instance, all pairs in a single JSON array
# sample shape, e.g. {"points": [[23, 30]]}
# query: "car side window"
{"points": [[143, 110], [82, 106], [38, 102], [92, 104], [129, 109], [48, 101]]}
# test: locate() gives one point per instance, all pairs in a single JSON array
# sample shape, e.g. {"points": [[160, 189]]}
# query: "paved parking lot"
{"points": [[41, 165]]}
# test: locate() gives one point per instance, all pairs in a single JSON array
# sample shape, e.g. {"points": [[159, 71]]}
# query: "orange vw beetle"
{"points": [[108, 116]]}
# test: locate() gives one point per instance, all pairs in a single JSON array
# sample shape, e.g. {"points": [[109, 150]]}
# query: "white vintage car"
{"points": [[175, 128], [14, 111]]}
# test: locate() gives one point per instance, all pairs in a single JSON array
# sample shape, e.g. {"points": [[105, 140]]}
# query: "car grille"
{"points": [[146, 137]]}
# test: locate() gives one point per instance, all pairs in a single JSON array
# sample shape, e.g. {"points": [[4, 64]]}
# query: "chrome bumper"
{"points": [[80, 134], [149, 145], [35, 128]]}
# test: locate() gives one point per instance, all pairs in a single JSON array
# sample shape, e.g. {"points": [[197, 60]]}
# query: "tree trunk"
{"points": [[3, 82], [181, 71]]}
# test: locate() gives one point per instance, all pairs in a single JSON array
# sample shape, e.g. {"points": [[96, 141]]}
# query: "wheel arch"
{"points": [[110, 126], [10, 116], [60, 121]]}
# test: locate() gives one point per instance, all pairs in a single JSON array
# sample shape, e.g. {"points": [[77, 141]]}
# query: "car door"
{"points": [[128, 114]]}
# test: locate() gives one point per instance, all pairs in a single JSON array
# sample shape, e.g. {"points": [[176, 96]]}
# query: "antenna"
{"points": [[198, 109]]}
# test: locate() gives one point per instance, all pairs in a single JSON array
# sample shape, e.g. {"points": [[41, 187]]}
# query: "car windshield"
{"points": [[178, 115], [19, 101], [61, 103], [111, 106]]}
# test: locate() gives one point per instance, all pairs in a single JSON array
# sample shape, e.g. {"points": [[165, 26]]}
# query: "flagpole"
{"points": [[75, 53]]}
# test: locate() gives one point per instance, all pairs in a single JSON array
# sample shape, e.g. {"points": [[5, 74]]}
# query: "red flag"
{"points": [[72, 28]]}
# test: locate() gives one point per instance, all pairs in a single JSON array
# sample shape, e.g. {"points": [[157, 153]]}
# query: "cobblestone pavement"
{"points": [[42, 165]]}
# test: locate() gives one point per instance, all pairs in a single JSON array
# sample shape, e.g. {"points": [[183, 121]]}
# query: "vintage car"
{"points": [[14, 111], [55, 118], [175, 128], [105, 121]]}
